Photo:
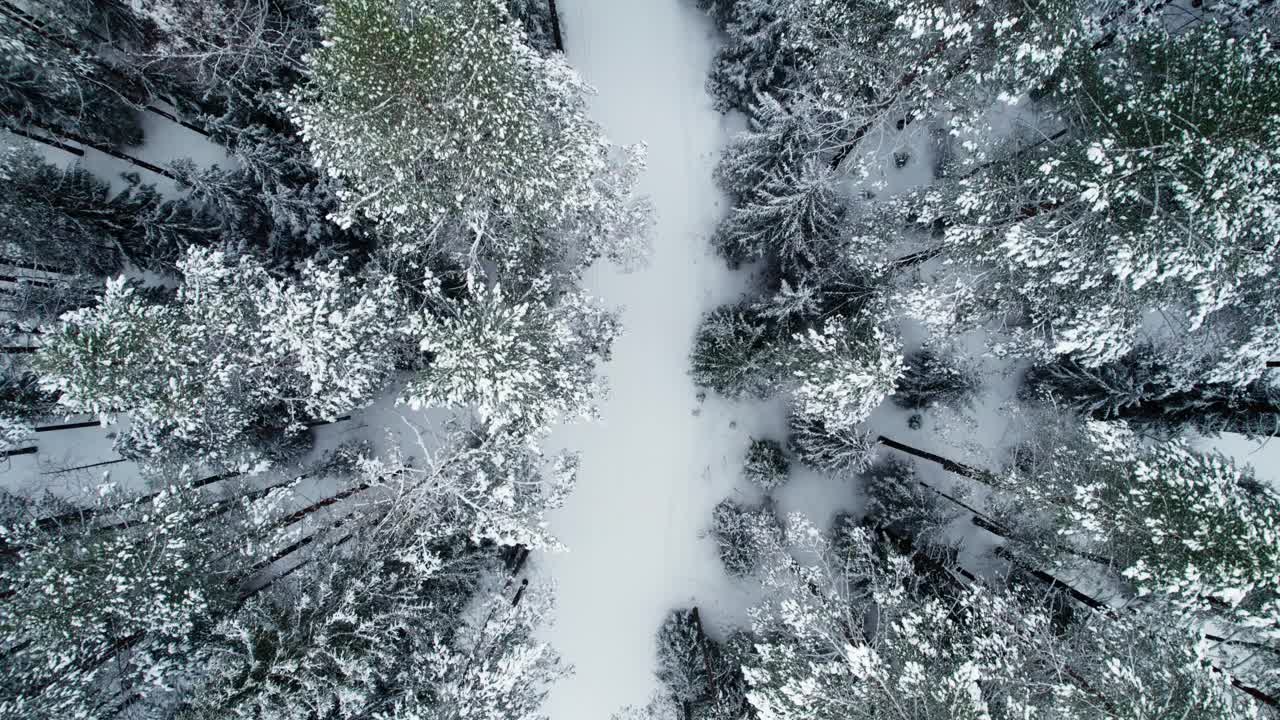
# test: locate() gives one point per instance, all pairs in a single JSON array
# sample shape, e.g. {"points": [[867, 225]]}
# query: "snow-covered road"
{"points": [[652, 470]]}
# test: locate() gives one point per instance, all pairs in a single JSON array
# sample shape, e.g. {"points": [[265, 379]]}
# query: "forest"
{"points": [[298, 298]]}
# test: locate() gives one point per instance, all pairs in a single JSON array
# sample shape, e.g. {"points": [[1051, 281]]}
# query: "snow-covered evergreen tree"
{"points": [[932, 379], [734, 353], [833, 448], [859, 633], [483, 485], [504, 163], [95, 608], [898, 502], [379, 634], [741, 534], [50, 88], [844, 370], [404, 620], [521, 362], [766, 464], [794, 217], [235, 349], [1191, 528], [1152, 393], [1161, 201], [68, 220]]}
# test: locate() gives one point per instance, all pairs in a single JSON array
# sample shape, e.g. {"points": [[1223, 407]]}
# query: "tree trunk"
{"points": [[69, 426], [19, 451], [318, 423], [136, 162], [916, 258], [47, 141], [983, 476], [555, 26], [245, 596], [86, 467], [320, 505], [26, 265], [524, 585], [286, 551]]}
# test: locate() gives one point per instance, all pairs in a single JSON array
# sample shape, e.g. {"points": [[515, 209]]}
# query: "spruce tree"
{"points": [[1150, 393]]}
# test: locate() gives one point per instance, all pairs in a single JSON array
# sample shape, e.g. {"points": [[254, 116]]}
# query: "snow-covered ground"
{"points": [[659, 460]]}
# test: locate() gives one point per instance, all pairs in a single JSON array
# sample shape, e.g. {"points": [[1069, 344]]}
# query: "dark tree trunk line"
{"points": [[319, 423], [86, 467], [47, 141], [556, 37], [69, 426], [286, 551], [249, 594], [136, 162], [983, 476], [19, 451], [34, 265], [1098, 605]]}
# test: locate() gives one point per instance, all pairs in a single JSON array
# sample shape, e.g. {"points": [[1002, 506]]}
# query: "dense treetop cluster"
{"points": [[1083, 195], [409, 195]]}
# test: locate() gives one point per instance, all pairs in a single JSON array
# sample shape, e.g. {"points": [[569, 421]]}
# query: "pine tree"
{"points": [[682, 657], [505, 155], [777, 141], [1149, 392], [1191, 528], [521, 362], [492, 487], [858, 632], [1147, 207], [234, 350]]}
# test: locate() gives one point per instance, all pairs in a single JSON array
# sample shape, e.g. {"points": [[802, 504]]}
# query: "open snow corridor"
{"points": [[659, 460]]}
